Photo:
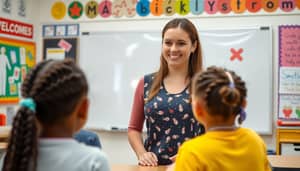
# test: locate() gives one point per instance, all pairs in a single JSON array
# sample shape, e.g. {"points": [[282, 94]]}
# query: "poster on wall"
{"points": [[289, 76], [289, 107], [60, 48], [16, 59], [60, 30], [22, 8], [6, 6], [289, 80]]}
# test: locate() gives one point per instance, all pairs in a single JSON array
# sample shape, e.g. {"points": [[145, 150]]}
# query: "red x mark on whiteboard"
{"points": [[236, 54]]}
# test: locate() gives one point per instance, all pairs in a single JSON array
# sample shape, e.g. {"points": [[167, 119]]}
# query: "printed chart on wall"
{"points": [[289, 75], [60, 48], [16, 59], [115, 61]]}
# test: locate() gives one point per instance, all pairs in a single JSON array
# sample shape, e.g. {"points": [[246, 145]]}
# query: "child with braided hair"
{"points": [[53, 108], [218, 102]]}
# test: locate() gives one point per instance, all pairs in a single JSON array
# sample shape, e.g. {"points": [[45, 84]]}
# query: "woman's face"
{"points": [[177, 47]]}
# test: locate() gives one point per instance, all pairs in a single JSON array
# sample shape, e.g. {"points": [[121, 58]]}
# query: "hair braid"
{"points": [[49, 84], [14, 150], [22, 143], [30, 77], [212, 85]]}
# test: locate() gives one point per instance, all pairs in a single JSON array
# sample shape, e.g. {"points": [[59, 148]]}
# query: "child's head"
{"points": [[56, 88], [52, 92], [219, 93]]}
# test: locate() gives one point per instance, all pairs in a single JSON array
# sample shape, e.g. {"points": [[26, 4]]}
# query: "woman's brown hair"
{"points": [[195, 61]]}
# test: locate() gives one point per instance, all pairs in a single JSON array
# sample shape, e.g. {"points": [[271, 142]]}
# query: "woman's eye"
{"points": [[182, 43], [168, 43]]}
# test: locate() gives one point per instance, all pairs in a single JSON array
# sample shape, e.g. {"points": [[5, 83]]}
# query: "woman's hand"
{"points": [[148, 159]]}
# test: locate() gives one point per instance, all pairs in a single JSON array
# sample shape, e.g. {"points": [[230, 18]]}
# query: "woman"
{"points": [[163, 98]]}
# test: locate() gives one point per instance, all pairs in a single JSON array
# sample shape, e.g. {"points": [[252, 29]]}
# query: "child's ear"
{"points": [[197, 110], [83, 111], [244, 103]]}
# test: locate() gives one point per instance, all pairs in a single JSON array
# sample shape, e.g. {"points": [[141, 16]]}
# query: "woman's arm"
{"points": [[135, 128], [136, 141]]}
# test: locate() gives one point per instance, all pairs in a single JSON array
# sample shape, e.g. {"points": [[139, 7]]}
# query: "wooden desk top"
{"points": [[4, 131], [3, 146], [124, 167], [280, 161], [276, 161]]}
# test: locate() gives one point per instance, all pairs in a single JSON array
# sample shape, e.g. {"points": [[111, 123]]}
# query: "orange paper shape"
{"points": [[270, 5], [156, 7], [238, 6], [253, 5]]}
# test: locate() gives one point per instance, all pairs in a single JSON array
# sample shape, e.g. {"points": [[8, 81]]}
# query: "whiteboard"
{"points": [[115, 61]]}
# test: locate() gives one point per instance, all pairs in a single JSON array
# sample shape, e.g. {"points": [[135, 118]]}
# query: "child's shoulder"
{"points": [[91, 153], [199, 142], [88, 149], [252, 134], [249, 131]]}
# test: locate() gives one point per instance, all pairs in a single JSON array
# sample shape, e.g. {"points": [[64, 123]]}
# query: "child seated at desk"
{"points": [[53, 108], [218, 101]]}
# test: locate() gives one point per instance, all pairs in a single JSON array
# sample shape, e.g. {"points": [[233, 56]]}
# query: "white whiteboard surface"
{"points": [[115, 61]]}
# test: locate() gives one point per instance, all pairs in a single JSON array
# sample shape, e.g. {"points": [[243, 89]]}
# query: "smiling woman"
{"points": [[162, 99]]}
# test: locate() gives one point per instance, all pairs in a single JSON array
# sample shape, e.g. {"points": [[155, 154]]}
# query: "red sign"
{"points": [[16, 28]]}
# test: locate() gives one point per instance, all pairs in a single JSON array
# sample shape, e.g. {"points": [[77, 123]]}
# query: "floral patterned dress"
{"points": [[169, 121]]}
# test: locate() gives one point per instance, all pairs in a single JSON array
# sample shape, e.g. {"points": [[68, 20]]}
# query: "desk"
{"points": [[124, 167], [286, 163], [278, 163], [4, 132], [3, 146], [286, 135]]}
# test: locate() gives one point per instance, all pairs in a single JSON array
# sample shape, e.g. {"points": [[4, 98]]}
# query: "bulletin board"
{"points": [[115, 61], [16, 59], [60, 48], [289, 75]]}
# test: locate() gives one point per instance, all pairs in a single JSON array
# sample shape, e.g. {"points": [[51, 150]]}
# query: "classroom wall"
{"points": [[115, 144], [32, 9]]}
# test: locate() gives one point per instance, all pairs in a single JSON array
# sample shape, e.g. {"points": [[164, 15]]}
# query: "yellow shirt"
{"points": [[239, 150]]}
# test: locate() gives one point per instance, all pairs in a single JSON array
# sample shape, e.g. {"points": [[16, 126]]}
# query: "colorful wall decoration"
{"points": [[60, 30], [60, 48], [289, 73], [129, 8], [16, 59]]}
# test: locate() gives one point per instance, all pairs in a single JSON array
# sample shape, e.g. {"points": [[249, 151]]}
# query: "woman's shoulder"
{"points": [[149, 76]]}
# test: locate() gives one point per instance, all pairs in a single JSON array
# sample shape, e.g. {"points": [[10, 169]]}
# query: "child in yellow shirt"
{"points": [[218, 100]]}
